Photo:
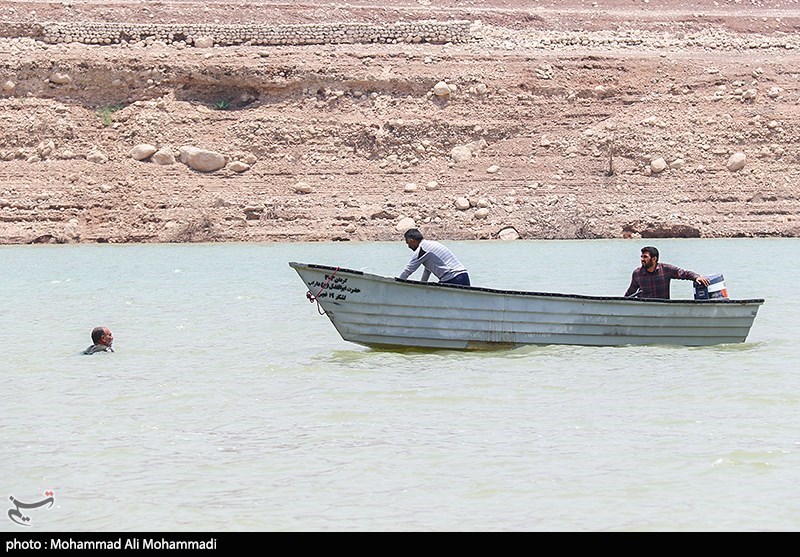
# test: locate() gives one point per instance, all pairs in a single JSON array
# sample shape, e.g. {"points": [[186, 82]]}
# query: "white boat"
{"points": [[386, 312]]}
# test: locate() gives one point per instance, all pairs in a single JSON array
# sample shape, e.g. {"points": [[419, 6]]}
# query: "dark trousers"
{"points": [[462, 278]]}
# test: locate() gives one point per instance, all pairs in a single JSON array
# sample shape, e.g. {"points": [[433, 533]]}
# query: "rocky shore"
{"points": [[187, 122]]}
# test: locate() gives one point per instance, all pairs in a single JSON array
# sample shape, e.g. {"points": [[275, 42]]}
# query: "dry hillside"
{"points": [[567, 119]]}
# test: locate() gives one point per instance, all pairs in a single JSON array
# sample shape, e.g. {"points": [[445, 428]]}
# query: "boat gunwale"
{"points": [[758, 301]]}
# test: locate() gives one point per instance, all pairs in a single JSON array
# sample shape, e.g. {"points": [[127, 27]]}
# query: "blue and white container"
{"points": [[715, 289]]}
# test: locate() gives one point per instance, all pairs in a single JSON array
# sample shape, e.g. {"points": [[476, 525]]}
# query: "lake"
{"points": [[231, 404]]}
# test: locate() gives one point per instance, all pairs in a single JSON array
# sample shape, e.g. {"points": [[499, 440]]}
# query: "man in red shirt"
{"points": [[651, 280]]}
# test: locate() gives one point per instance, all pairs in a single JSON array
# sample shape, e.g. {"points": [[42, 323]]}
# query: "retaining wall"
{"points": [[432, 31]]}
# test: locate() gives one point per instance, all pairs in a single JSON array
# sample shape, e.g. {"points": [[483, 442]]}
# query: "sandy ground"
{"points": [[564, 119]]}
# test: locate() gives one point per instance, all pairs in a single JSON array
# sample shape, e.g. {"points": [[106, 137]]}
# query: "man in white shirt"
{"points": [[435, 258]]}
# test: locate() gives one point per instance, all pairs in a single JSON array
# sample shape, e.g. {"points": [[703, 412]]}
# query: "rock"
{"points": [[493, 169], [238, 166], [383, 215], [476, 146], [736, 162], [461, 153], [404, 224], [46, 148], [163, 156], [204, 42], [60, 78], [410, 187], [142, 151], [482, 213], [202, 160], [508, 233], [96, 156], [658, 165], [302, 187], [462, 203], [673, 231], [72, 230], [441, 90], [432, 185], [248, 158]]}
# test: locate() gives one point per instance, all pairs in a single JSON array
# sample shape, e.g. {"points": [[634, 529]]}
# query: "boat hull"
{"points": [[377, 311]]}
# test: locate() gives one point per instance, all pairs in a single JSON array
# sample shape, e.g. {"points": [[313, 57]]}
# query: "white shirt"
{"points": [[436, 259]]}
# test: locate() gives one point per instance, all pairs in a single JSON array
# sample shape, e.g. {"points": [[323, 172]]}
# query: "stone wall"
{"points": [[431, 31]]}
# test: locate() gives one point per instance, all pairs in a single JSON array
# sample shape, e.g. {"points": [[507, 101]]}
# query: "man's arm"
{"points": [[412, 266], [634, 286], [683, 274]]}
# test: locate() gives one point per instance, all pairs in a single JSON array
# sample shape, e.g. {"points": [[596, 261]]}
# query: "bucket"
{"points": [[715, 289]]}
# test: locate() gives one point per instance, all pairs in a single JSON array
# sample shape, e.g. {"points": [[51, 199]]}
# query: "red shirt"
{"points": [[656, 284]]}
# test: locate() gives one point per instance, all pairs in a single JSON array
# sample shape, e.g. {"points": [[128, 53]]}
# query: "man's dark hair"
{"points": [[651, 250], [97, 334], [413, 234]]}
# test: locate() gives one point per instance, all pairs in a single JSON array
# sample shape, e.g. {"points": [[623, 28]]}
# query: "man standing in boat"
{"points": [[435, 258], [652, 279]]}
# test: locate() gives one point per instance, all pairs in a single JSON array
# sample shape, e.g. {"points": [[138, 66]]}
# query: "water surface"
{"points": [[231, 404]]}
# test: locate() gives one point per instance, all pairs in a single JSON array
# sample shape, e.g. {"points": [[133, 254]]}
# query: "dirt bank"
{"points": [[593, 120]]}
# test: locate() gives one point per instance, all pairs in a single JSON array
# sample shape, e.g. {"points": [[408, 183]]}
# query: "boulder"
{"points": [[163, 156], [202, 160], [404, 224], [508, 233], [142, 151]]}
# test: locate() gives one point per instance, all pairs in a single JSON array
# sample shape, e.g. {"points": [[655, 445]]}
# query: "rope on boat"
{"points": [[312, 298]]}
